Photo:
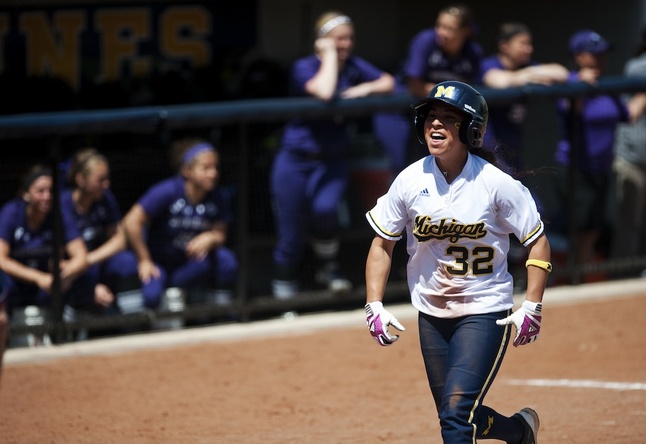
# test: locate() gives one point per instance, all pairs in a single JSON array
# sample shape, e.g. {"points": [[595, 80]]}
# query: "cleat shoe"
{"points": [[530, 421]]}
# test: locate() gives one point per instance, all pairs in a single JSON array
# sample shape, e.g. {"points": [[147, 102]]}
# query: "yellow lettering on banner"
{"points": [[121, 31], [193, 46], [54, 50], [4, 27]]}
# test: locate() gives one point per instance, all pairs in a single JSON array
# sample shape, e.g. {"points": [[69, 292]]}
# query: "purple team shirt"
{"points": [[94, 225], [324, 136], [427, 61], [505, 120], [174, 221], [32, 248], [599, 119]]}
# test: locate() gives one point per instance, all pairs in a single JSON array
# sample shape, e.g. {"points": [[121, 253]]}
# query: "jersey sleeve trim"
{"points": [[381, 231], [534, 234]]}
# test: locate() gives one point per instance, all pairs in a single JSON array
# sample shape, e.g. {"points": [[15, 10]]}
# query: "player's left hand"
{"points": [[378, 320], [103, 295], [527, 320]]}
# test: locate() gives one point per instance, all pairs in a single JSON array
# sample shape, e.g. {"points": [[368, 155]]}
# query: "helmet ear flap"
{"points": [[475, 133]]}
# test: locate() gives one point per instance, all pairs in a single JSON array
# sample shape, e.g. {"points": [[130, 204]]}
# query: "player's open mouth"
{"points": [[437, 136]]}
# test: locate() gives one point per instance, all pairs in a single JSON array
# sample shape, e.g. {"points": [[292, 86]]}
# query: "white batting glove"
{"points": [[527, 320], [378, 320]]}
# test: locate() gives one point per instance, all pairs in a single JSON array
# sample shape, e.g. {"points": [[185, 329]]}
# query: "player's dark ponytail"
{"points": [[497, 158], [486, 154]]}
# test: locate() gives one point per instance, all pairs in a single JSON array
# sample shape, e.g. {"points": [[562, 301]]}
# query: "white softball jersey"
{"points": [[457, 235]]}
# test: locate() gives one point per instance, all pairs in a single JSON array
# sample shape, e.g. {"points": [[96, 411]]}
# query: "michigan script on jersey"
{"points": [[451, 229]]}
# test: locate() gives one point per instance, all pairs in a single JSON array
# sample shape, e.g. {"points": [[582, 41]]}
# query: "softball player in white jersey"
{"points": [[458, 210]]}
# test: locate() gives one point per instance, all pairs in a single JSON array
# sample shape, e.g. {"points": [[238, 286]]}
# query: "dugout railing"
{"points": [[154, 121]]}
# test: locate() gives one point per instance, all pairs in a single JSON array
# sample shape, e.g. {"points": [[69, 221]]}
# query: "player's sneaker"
{"points": [[330, 277], [530, 421], [284, 290]]}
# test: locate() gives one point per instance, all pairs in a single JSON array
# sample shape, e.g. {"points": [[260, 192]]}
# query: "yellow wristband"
{"points": [[540, 264]]}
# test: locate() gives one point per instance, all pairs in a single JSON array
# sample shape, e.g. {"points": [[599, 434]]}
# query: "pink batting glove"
{"points": [[378, 320], [527, 320]]}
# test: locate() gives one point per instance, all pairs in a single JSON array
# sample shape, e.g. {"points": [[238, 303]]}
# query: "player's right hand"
{"points": [[147, 270], [527, 320], [378, 320], [324, 44]]}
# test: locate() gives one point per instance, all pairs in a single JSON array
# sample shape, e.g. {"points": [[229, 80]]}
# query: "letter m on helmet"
{"points": [[445, 91]]}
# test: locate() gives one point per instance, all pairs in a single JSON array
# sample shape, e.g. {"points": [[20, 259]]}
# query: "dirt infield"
{"points": [[322, 379]]}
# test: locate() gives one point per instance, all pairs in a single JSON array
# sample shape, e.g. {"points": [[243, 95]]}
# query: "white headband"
{"points": [[333, 23]]}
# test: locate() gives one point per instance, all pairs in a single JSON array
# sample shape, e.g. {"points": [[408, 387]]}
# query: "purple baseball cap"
{"points": [[588, 41]]}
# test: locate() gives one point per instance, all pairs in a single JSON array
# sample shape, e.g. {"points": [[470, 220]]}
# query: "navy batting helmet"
{"points": [[463, 97]]}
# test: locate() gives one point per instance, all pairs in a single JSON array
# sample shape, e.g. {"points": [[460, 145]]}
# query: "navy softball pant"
{"points": [[219, 269], [307, 194], [462, 357]]}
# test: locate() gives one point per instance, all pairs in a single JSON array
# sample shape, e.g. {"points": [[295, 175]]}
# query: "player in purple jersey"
{"points": [[446, 51], [597, 117], [178, 228], [26, 242], [98, 219], [513, 66], [629, 167], [309, 174]]}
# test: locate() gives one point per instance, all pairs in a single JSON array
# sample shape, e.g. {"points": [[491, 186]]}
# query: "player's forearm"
{"points": [[558, 73], [135, 236], [133, 225], [20, 271], [378, 266], [112, 246], [637, 107], [323, 84], [499, 78], [383, 85], [539, 254], [140, 248], [77, 263]]}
